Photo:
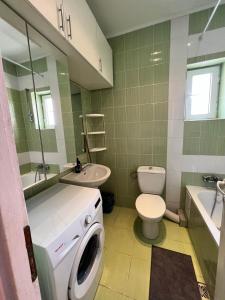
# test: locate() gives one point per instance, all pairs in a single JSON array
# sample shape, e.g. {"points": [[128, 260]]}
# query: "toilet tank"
{"points": [[151, 180]]}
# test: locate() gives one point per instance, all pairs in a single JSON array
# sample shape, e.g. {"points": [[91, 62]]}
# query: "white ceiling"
{"points": [[116, 17]]}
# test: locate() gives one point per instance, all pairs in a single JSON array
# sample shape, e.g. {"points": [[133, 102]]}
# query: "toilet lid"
{"points": [[150, 206]]}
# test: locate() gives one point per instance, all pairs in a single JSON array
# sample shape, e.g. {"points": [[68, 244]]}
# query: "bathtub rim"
{"points": [[193, 192], [49, 176]]}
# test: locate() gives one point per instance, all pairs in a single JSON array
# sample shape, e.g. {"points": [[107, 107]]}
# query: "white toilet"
{"points": [[150, 205]]}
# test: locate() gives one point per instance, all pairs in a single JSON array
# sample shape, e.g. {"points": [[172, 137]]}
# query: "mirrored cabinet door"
{"points": [[49, 100], [15, 58]]}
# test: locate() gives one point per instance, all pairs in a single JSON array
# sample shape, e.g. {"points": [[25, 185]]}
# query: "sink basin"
{"points": [[92, 176]]}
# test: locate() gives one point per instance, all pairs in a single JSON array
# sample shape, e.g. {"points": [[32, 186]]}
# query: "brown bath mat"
{"points": [[172, 276]]}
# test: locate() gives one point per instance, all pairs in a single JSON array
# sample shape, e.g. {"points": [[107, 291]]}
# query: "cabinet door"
{"points": [[105, 56], [52, 10], [82, 29]]}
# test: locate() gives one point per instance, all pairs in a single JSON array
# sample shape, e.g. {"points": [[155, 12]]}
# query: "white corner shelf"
{"points": [[98, 149], [94, 115], [93, 132]]}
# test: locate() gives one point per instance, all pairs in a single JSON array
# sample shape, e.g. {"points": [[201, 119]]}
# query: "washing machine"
{"points": [[68, 237]]}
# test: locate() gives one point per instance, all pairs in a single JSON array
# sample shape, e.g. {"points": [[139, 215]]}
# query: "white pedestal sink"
{"points": [[93, 175]]}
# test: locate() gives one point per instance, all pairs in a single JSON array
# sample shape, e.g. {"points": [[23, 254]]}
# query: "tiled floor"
{"points": [[128, 255]]}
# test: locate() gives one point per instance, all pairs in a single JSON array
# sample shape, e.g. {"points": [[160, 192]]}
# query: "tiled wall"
{"points": [[18, 122], [136, 109], [204, 137], [198, 20]]}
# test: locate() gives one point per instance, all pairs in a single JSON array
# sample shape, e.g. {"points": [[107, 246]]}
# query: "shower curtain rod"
{"points": [[22, 66], [210, 19]]}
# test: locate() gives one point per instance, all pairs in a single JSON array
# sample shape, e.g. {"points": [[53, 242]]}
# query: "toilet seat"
{"points": [[150, 207]]}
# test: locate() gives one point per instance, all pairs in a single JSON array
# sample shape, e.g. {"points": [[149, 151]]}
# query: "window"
{"points": [[44, 110], [202, 93]]}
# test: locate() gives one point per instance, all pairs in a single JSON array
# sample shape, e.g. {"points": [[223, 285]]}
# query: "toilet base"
{"points": [[150, 230]]}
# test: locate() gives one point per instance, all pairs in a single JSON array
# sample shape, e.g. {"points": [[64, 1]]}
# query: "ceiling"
{"points": [[116, 17]]}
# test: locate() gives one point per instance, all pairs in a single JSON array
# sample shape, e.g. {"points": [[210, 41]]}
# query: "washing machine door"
{"points": [[87, 266]]}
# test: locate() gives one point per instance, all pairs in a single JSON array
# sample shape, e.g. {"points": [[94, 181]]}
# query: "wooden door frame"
{"points": [[15, 275]]}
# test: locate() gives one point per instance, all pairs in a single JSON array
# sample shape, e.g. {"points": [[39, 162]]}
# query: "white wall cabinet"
{"points": [[104, 55], [81, 29], [50, 10], [76, 22]]}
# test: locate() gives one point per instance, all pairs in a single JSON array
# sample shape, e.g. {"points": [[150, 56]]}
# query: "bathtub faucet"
{"points": [[40, 169], [211, 178]]}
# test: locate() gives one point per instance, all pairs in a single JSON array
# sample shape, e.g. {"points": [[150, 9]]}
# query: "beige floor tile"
{"points": [[141, 250], [175, 232], [109, 219], [116, 270], [125, 218], [120, 240], [172, 245], [128, 254], [137, 285], [104, 293]]}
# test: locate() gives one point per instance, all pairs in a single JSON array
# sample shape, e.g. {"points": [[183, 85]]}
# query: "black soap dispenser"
{"points": [[78, 167]]}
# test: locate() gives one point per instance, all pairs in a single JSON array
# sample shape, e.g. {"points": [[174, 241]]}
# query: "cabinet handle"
{"points": [[100, 64], [70, 29], [60, 10]]}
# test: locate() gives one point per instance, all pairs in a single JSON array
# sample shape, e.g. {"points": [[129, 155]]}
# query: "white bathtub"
{"points": [[204, 200], [28, 179]]}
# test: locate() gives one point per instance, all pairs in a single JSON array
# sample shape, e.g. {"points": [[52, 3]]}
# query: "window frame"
{"points": [[215, 71], [41, 113]]}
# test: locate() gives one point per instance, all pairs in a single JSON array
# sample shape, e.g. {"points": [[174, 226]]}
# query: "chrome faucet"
{"points": [[211, 178], [40, 169]]}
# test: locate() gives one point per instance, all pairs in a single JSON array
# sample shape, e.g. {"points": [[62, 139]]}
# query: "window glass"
{"points": [[43, 110], [202, 93]]}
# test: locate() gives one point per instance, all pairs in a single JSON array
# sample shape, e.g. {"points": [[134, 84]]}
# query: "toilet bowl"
{"points": [[150, 205]]}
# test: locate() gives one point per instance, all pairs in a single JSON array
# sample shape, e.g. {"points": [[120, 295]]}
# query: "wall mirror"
{"points": [[205, 88], [19, 84], [31, 66], [77, 108], [50, 82]]}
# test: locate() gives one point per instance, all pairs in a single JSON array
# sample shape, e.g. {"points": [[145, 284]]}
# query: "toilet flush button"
{"points": [[88, 219]]}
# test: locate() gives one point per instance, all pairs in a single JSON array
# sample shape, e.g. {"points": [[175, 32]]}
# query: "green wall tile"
{"points": [[132, 78], [146, 94], [146, 37], [191, 146], [131, 40], [117, 44], [119, 97], [160, 111], [204, 137], [132, 113], [132, 96], [198, 20], [137, 108], [119, 80], [146, 75], [146, 112], [131, 59]]}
